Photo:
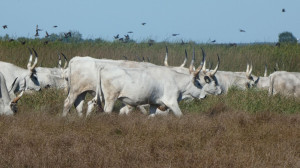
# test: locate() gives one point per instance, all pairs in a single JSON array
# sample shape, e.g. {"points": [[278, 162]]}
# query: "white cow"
{"points": [[263, 82], [52, 77], [224, 79], [207, 84], [228, 79], [7, 105], [157, 86], [11, 72], [82, 77], [285, 83]]}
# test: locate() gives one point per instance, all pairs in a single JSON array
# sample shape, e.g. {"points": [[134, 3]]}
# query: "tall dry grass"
{"points": [[220, 137]]}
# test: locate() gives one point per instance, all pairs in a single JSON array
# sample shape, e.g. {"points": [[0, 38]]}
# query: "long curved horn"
{"points": [[59, 60], [166, 57], [18, 97], [15, 100], [185, 59], [201, 63], [217, 67], [12, 85], [204, 63], [36, 59], [247, 69], [192, 62], [30, 59], [266, 71], [250, 70], [66, 60]]}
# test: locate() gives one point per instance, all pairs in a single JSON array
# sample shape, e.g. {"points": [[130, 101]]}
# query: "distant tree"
{"points": [[287, 37]]}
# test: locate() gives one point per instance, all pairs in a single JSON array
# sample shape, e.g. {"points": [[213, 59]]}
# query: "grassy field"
{"points": [[240, 129]]}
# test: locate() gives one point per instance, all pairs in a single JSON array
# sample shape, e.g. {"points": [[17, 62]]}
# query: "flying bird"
{"points": [[130, 32], [47, 35], [37, 28], [213, 41], [143, 23], [117, 36], [4, 26], [36, 33], [67, 34], [175, 34], [126, 37], [283, 10], [241, 30], [54, 26]]}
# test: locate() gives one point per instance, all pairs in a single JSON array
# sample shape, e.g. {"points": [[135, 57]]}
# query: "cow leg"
{"points": [[126, 109], [109, 105], [152, 110], [174, 107], [68, 104], [142, 108], [79, 103]]}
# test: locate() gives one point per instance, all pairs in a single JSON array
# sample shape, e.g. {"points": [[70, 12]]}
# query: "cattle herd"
{"points": [[135, 84]]}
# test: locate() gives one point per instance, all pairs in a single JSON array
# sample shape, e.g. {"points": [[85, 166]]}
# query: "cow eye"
{"points": [[207, 79]]}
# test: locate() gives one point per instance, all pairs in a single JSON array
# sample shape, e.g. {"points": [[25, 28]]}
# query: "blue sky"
{"points": [[197, 20]]}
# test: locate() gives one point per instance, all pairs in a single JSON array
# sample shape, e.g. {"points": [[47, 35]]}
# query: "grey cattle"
{"points": [[82, 78], [53, 77], [285, 83], [8, 106], [11, 72], [157, 86]]}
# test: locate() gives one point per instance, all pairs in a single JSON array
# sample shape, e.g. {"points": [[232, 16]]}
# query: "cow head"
{"points": [[252, 79], [8, 106], [205, 81], [31, 79]]}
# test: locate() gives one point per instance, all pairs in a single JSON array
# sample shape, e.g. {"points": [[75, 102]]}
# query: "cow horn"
{"points": [[204, 63], [192, 62], [66, 60], [266, 71], [166, 57], [18, 97], [30, 59], [59, 60], [35, 61], [217, 67], [185, 59], [247, 69], [250, 71], [201, 64]]}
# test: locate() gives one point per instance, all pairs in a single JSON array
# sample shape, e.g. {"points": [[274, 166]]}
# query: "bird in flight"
{"points": [[117, 36], [130, 32], [4, 26], [37, 28], [175, 34], [213, 41], [283, 10], [241, 30], [47, 35], [143, 23], [55, 26], [67, 34]]}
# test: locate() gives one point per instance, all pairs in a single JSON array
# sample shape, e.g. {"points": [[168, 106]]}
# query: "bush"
{"points": [[287, 37]]}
